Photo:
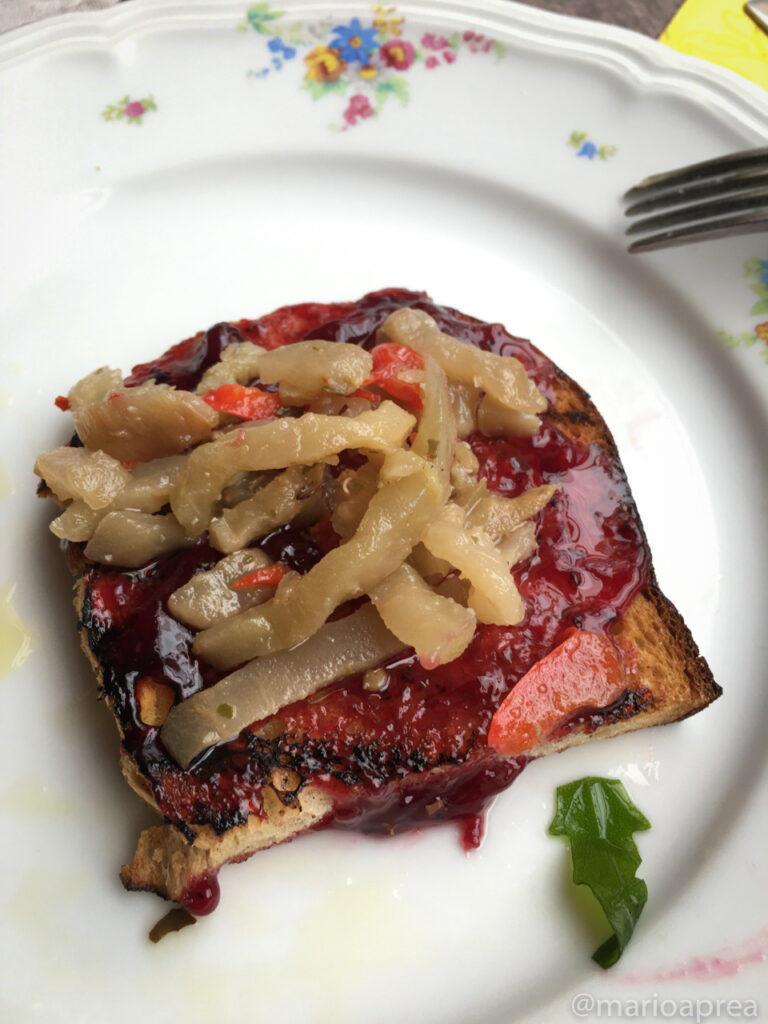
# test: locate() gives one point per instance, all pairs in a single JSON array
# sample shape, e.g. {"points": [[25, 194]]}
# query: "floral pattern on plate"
{"points": [[365, 64], [584, 146], [131, 111], [756, 271]]}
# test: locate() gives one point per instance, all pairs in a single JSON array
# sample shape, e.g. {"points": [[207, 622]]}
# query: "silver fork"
{"points": [[713, 199]]}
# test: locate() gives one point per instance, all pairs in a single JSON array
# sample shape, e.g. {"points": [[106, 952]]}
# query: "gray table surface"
{"points": [[650, 17]]}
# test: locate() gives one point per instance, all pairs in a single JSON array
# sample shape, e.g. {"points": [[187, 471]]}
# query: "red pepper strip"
{"points": [[247, 403], [389, 356], [389, 359], [585, 671], [62, 402], [268, 576], [369, 396]]}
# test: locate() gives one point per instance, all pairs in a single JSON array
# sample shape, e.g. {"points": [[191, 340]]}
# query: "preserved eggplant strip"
{"points": [[131, 539], [147, 490], [394, 520], [261, 688], [208, 598], [140, 424], [497, 515], [77, 522], [309, 368], [430, 568], [275, 445], [95, 387], [519, 544], [435, 438], [464, 399], [493, 594], [502, 377], [279, 502], [437, 628], [239, 364], [150, 485], [467, 489], [497, 420], [339, 405], [354, 491], [92, 476]]}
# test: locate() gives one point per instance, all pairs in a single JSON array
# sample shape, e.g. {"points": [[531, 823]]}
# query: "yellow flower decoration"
{"points": [[384, 22], [324, 65], [762, 332]]}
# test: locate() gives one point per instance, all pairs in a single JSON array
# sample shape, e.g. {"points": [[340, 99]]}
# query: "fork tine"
{"points": [[743, 224], [712, 199], [733, 163], [699, 190], [756, 201]]}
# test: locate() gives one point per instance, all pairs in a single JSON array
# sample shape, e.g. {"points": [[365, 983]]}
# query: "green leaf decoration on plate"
{"points": [[319, 89], [394, 86], [756, 271], [598, 819], [259, 15]]}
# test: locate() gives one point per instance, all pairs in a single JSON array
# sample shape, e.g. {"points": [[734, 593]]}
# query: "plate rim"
{"points": [[644, 59]]}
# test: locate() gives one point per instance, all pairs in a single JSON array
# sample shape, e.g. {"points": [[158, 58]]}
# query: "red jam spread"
{"points": [[375, 750]]}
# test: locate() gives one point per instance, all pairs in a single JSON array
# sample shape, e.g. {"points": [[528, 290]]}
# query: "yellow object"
{"points": [[722, 32], [15, 638]]}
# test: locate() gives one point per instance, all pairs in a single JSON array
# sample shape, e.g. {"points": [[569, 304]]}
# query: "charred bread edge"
{"points": [[678, 678]]}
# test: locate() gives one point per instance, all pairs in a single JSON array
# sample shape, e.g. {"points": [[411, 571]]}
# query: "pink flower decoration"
{"points": [[135, 109], [449, 56], [432, 42], [477, 42], [431, 62], [359, 106], [398, 54]]}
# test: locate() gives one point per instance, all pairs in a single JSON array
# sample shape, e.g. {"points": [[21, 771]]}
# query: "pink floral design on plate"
{"points": [[131, 111], [359, 107], [366, 60]]}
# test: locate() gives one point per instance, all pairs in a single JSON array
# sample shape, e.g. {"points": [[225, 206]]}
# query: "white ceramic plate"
{"points": [[165, 166]]}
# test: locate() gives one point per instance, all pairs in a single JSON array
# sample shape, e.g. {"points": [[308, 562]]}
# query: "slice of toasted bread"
{"points": [[297, 789]]}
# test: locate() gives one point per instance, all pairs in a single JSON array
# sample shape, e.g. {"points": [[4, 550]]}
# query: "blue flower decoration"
{"points": [[355, 42], [276, 45], [589, 150], [763, 279]]}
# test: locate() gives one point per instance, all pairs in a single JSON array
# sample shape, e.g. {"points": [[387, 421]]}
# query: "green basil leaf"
{"points": [[598, 818]]}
